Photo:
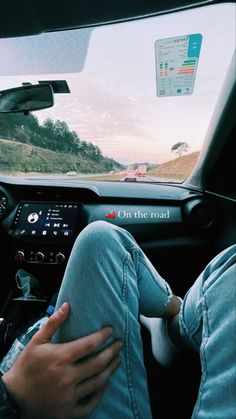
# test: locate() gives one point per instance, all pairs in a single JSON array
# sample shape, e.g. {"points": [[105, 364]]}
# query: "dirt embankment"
{"points": [[180, 167], [21, 157]]}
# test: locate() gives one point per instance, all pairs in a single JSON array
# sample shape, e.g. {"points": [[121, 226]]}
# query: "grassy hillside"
{"points": [[178, 168], [21, 157]]}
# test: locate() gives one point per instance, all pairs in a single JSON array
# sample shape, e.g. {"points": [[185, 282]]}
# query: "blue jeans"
{"points": [[208, 323], [110, 281]]}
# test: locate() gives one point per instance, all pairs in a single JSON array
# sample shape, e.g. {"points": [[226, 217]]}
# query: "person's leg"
{"points": [[208, 323], [108, 280]]}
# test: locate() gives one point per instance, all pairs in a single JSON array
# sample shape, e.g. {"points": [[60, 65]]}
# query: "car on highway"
{"points": [[141, 78], [130, 175], [142, 170], [71, 173]]}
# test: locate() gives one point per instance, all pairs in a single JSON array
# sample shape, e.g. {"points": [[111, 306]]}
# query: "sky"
{"points": [[112, 72]]}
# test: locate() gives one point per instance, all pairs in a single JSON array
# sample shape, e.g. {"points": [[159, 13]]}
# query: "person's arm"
{"points": [[63, 380]]}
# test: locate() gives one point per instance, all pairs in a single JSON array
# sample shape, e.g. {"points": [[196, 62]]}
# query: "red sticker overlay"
{"points": [[111, 215]]}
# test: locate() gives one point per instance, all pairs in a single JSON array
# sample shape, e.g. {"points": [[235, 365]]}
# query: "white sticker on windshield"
{"points": [[176, 64]]}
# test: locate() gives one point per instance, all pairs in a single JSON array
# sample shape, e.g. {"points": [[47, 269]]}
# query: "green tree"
{"points": [[180, 147]]}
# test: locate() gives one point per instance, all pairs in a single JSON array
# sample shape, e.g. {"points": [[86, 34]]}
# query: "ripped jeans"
{"points": [[110, 281]]}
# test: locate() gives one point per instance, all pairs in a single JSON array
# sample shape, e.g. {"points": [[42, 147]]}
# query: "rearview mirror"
{"points": [[26, 98]]}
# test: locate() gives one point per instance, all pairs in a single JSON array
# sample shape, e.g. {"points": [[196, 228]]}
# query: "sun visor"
{"points": [[49, 53]]}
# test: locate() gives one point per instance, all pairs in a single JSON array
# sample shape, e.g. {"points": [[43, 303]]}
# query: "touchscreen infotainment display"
{"points": [[45, 219]]}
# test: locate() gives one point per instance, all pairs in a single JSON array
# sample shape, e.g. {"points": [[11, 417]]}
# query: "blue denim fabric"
{"points": [[208, 322], [109, 281]]}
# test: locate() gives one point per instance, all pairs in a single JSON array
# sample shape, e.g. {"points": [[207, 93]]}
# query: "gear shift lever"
{"points": [[27, 283]]}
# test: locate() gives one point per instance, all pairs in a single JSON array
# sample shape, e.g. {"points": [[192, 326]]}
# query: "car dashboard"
{"points": [[176, 227], [41, 218], [41, 221]]}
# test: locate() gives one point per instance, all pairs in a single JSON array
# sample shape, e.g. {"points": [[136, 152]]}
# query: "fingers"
{"points": [[50, 327], [96, 382], [83, 347], [97, 363], [85, 407], [91, 391]]}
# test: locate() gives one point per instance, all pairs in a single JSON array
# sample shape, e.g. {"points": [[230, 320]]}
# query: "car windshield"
{"points": [[132, 100]]}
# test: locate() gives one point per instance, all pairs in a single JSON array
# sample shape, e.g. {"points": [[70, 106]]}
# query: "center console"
{"points": [[39, 236], [44, 232]]}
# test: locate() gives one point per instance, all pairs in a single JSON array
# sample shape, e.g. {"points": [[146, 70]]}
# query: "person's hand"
{"points": [[62, 380]]}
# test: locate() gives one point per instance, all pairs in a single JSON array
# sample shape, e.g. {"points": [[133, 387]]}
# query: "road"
{"points": [[97, 176]]}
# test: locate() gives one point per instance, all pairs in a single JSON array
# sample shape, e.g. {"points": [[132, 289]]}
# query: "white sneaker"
{"points": [[163, 349]]}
